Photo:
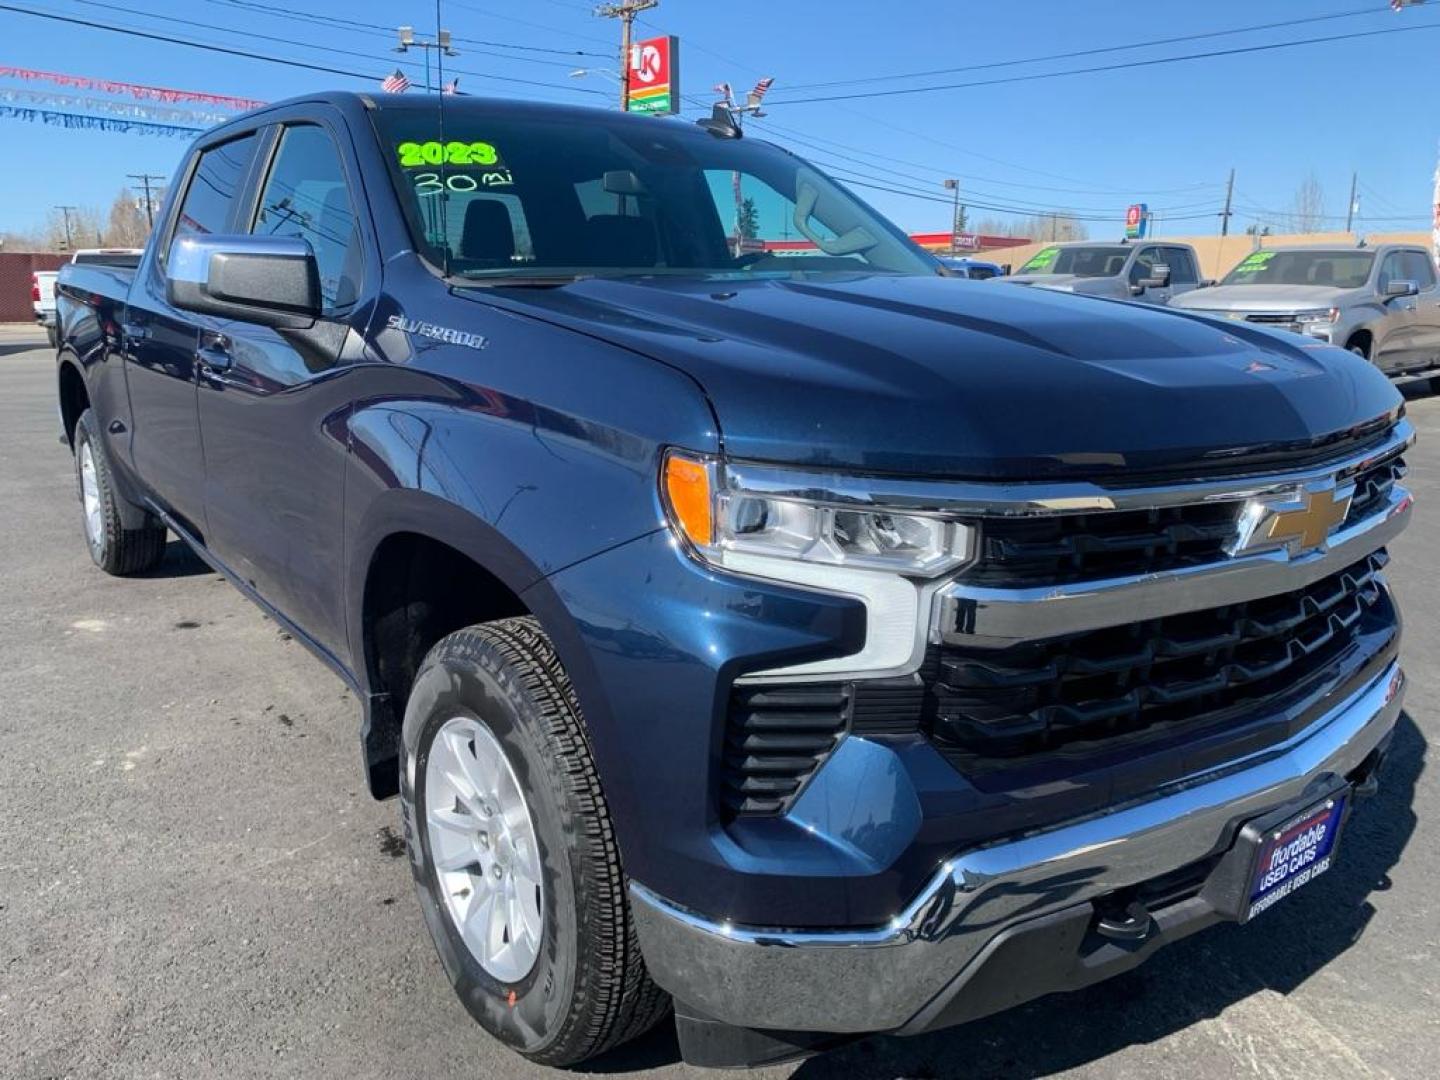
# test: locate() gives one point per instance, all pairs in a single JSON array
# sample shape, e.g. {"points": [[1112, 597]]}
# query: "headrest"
{"points": [[488, 235]]}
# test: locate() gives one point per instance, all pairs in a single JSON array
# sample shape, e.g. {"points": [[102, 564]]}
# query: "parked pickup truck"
{"points": [[42, 300], [1145, 272], [819, 643], [1382, 302]]}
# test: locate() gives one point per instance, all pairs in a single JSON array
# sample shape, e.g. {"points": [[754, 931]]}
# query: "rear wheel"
{"points": [[512, 850], [115, 549]]}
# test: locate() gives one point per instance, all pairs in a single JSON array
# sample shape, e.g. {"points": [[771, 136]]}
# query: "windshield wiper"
{"points": [[519, 281]]}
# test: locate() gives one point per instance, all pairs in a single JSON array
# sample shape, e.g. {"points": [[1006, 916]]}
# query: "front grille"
{"points": [[1372, 489], [992, 707], [1262, 318], [776, 737], [1068, 548], [1081, 547]]}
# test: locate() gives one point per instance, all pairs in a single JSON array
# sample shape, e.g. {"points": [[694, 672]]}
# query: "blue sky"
{"points": [[1166, 135]]}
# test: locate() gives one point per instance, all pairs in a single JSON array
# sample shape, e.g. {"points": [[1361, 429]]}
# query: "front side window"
{"points": [[213, 187], [1182, 267], [1419, 269], [555, 196], [1392, 269], [305, 197], [1143, 267]]}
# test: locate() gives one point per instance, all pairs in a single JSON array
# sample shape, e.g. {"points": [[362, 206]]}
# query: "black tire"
{"points": [[588, 990], [115, 549]]}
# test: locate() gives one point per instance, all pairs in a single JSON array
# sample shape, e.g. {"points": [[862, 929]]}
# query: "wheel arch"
{"points": [[421, 568], [73, 396]]}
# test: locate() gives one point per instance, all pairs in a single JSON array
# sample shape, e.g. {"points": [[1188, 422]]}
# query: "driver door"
{"points": [[1394, 348], [274, 403]]}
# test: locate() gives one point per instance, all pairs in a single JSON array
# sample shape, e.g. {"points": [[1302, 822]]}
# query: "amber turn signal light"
{"points": [[688, 495]]}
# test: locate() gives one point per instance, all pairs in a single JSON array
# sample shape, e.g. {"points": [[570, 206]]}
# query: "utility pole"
{"points": [[409, 41], [953, 185], [1350, 207], [625, 11], [69, 243], [145, 179], [1229, 197]]}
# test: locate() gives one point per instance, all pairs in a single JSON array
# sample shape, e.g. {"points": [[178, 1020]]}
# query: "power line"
{"points": [[1101, 68], [329, 48], [808, 139], [229, 51], [1032, 207], [335, 20], [489, 14], [1091, 52]]}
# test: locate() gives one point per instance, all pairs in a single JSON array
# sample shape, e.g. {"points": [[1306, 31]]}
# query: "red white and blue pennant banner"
{"points": [[135, 90]]}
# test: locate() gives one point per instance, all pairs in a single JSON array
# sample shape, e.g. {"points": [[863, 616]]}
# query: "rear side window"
{"points": [[305, 197], [213, 187]]}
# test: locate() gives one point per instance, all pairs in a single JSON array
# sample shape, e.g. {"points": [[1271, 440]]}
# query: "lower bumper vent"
{"points": [[775, 738]]}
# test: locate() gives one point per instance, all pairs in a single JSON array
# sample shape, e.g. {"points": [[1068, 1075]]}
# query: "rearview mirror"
{"points": [[266, 280], [1396, 289]]}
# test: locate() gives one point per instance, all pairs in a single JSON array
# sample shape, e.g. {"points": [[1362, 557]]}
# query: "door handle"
{"points": [[213, 353]]}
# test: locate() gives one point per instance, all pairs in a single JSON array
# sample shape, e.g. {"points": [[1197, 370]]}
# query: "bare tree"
{"points": [[17, 240], [127, 227], [81, 226], [1308, 209], [1051, 225]]}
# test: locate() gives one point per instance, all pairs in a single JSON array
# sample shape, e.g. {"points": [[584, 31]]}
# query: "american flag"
{"points": [[761, 87], [451, 87], [723, 89], [395, 82]]}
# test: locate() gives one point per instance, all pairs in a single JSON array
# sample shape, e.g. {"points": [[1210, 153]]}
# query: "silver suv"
{"points": [[1381, 302], [1150, 273]]}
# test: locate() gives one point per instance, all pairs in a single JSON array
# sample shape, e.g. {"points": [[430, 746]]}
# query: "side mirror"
{"points": [[1206, 283], [1394, 290], [1158, 279], [266, 280]]}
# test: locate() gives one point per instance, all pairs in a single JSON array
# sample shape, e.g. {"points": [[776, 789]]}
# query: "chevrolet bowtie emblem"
{"points": [[1297, 521]]}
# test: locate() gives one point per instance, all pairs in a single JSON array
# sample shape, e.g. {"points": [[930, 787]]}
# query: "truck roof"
{"points": [[462, 104]]}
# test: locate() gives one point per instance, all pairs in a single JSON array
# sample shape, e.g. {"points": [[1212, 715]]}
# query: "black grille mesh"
{"points": [[996, 705]]}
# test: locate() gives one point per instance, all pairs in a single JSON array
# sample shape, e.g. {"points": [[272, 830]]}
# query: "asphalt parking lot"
{"points": [[194, 882]]}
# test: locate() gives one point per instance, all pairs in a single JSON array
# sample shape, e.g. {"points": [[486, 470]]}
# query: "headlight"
{"points": [[893, 560], [723, 521], [1325, 315]]}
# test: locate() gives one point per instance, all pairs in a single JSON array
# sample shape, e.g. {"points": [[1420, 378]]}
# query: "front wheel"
{"points": [[512, 850]]}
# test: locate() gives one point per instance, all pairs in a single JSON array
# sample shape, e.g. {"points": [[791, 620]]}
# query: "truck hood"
{"points": [[1098, 286], [946, 377], [1269, 298]]}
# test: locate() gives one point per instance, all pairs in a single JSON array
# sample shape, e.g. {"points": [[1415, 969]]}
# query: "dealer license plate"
{"points": [[1295, 854]]}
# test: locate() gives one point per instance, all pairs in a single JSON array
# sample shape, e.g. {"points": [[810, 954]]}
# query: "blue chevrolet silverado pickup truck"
{"points": [[817, 644]]}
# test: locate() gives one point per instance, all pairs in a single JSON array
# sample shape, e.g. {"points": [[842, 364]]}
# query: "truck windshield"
{"points": [[558, 196], [1336, 269], [1106, 261]]}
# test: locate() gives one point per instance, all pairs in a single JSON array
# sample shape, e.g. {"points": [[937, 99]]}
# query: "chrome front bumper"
{"points": [[880, 979]]}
